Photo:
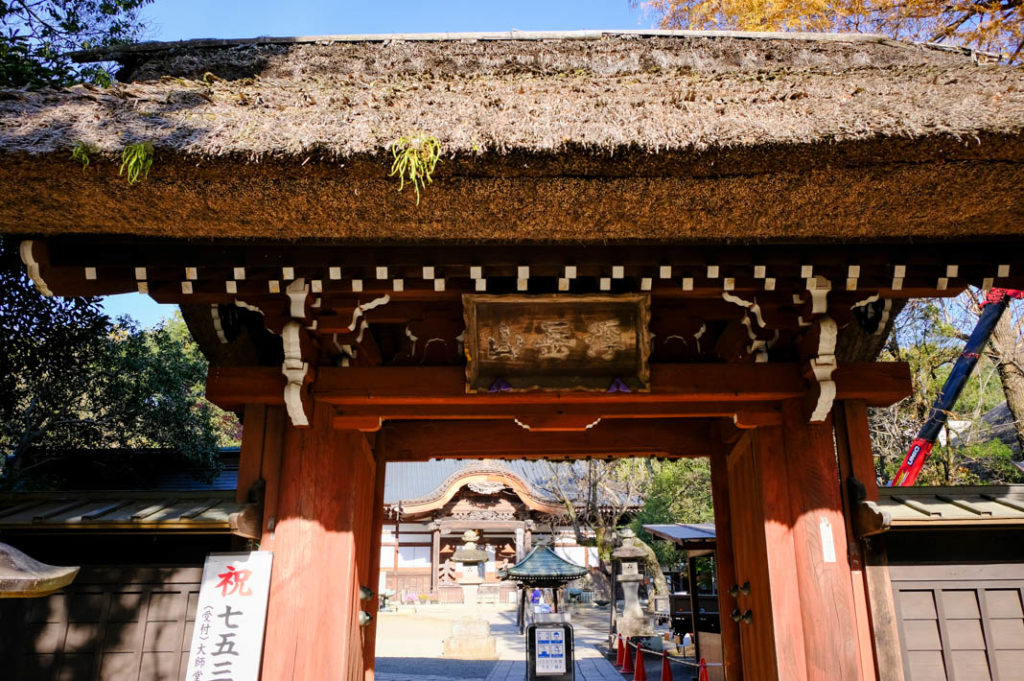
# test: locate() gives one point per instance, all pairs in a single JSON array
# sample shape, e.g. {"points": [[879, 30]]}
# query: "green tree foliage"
{"points": [[599, 498], [37, 35], [929, 335], [71, 380], [680, 492]]}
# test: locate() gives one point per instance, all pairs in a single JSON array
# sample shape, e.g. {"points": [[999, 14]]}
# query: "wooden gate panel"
{"points": [[757, 641], [109, 625]]}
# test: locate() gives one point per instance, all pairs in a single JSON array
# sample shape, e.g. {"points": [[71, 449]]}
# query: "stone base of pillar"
{"points": [[470, 640]]}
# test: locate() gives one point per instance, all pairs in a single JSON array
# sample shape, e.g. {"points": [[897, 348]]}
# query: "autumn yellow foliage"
{"points": [[993, 26]]}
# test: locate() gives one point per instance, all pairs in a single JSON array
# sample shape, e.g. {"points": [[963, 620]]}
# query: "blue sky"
{"points": [[183, 19]]}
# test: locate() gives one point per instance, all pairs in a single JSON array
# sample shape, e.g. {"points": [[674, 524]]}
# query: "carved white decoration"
{"points": [[570, 271], [140, 273], [32, 267], [526, 426], [361, 310], [760, 271], [618, 271], [247, 306], [217, 324], [769, 284], [751, 305], [712, 271], [687, 283], [606, 284], [822, 367], [886, 311], [439, 284], [646, 283], [191, 273], [665, 272], [334, 273], [231, 287], [297, 292], [483, 487], [952, 271], [428, 272], [239, 273], [186, 288], [287, 273], [819, 288], [294, 370]]}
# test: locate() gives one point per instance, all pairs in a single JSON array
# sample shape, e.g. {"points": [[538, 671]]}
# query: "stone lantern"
{"points": [[629, 573], [471, 636]]}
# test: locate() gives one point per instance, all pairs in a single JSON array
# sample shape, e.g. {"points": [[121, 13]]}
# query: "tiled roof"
{"points": [[416, 479], [208, 512], [543, 565], [679, 533], [985, 505]]}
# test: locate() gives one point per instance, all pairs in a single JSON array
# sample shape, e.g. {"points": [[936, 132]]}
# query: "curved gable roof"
{"points": [[464, 474]]}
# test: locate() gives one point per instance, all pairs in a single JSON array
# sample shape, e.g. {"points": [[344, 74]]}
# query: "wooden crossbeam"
{"points": [[435, 391], [423, 440]]}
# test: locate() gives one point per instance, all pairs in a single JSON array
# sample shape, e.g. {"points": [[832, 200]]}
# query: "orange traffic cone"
{"points": [[702, 673], [627, 660], [666, 667], [619, 653], [641, 669]]}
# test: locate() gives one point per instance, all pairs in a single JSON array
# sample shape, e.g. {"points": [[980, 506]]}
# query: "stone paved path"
{"points": [[409, 647]]}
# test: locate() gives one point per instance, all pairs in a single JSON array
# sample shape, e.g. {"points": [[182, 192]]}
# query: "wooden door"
{"points": [[960, 622], [746, 505]]}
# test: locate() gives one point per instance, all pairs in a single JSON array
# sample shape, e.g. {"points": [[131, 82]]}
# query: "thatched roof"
{"points": [[679, 119]]}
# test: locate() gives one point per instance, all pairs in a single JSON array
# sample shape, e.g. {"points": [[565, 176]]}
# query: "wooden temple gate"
{"points": [[773, 199], [784, 435]]}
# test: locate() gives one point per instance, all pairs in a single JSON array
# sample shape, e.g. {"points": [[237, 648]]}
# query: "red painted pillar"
{"points": [[319, 527], [799, 620], [820, 542]]}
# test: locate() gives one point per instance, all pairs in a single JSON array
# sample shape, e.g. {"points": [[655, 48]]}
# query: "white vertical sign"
{"points": [[227, 639], [550, 654], [828, 542]]}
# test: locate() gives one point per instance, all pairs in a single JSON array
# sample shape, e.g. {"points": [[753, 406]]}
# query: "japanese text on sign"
{"points": [[227, 638]]}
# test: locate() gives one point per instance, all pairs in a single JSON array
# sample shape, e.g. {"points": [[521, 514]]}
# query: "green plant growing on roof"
{"points": [[415, 158], [136, 160], [81, 152]]}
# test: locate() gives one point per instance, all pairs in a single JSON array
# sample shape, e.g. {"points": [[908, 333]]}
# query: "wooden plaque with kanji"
{"points": [[588, 342]]}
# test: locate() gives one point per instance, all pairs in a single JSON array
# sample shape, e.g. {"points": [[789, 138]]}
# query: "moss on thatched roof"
{"points": [[614, 107], [653, 93]]}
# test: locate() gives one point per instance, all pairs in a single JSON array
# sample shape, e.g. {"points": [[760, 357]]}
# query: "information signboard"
{"points": [[549, 650], [227, 638]]}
